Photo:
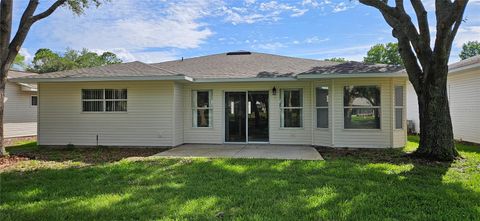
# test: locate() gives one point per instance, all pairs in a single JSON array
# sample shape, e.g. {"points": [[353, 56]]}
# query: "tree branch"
{"points": [[422, 20], [49, 11]]}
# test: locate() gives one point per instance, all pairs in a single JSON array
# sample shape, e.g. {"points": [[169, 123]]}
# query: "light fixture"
{"points": [[274, 91]]}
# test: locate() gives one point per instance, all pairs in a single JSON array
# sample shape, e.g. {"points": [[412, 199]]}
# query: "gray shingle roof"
{"points": [[130, 69], [219, 66], [466, 62], [265, 65], [19, 74]]}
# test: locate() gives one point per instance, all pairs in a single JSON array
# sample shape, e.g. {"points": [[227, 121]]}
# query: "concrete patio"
{"points": [[286, 152]]}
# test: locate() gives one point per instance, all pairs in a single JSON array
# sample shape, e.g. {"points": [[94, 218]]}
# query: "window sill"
{"points": [[291, 128], [364, 130], [105, 112], [202, 128]]}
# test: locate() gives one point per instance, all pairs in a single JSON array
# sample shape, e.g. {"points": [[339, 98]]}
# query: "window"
{"points": [[202, 108], [291, 108], [104, 100], [322, 107], [34, 100], [399, 107], [361, 107]]}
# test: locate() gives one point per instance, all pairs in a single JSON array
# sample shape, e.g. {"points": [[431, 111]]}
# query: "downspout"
{"points": [[312, 84]]}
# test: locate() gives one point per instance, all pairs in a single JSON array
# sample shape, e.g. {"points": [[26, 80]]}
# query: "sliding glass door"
{"points": [[246, 116]]}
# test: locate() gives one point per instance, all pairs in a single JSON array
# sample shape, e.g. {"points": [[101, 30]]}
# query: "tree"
{"points": [[470, 49], [384, 54], [9, 47], [20, 61], [427, 67], [46, 60], [343, 60]]}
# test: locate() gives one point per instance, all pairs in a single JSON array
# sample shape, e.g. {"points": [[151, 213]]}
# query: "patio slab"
{"points": [[286, 152]]}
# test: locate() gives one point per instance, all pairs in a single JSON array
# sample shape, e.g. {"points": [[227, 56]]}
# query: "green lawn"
{"points": [[349, 185]]}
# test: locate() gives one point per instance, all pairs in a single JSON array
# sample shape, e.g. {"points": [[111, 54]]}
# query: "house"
{"points": [[236, 97], [464, 100], [20, 99]]}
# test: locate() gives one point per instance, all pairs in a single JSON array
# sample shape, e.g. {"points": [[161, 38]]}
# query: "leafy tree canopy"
{"points": [[343, 60], [20, 61], [470, 49], [384, 54], [46, 60]]}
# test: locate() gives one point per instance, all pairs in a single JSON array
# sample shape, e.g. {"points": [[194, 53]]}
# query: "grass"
{"points": [[349, 185]]}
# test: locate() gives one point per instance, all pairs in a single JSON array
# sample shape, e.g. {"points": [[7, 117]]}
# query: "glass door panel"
{"points": [[257, 109], [235, 117]]}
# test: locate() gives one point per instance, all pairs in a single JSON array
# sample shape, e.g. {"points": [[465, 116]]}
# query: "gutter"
{"points": [[90, 79], [207, 80]]}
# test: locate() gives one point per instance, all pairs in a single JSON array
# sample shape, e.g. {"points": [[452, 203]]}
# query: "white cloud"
{"points": [[270, 46], [133, 25], [467, 33], [340, 7], [28, 56]]}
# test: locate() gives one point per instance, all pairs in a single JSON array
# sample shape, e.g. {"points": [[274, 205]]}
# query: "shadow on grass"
{"points": [[341, 189]]}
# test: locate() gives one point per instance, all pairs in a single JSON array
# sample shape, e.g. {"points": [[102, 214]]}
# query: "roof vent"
{"points": [[239, 53]]}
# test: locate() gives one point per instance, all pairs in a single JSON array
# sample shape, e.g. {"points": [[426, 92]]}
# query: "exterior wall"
{"points": [[399, 137], [18, 105], [412, 111], [160, 114], [148, 121], [335, 135], [278, 135], [464, 97], [178, 110], [372, 138]]}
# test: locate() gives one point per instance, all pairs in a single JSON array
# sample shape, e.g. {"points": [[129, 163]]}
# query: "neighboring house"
{"points": [[464, 100], [237, 97], [20, 99]]}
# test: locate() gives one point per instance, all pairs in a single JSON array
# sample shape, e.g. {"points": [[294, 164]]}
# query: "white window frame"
{"points": [[282, 107], [322, 107], [402, 107], [379, 108], [195, 108], [31, 100], [104, 100]]}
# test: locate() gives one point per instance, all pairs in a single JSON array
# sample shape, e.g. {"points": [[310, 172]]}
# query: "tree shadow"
{"points": [[345, 188]]}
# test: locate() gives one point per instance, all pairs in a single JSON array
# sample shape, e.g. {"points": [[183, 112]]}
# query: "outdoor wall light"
{"points": [[274, 91]]}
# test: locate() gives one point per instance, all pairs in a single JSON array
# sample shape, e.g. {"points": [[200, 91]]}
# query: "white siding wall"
{"points": [[464, 97], [18, 106], [309, 134], [373, 138], [412, 103], [160, 114], [178, 110], [400, 135], [278, 135], [148, 121]]}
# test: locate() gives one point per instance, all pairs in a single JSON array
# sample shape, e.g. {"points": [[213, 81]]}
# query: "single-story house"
{"points": [[20, 99], [464, 100], [236, 97]]}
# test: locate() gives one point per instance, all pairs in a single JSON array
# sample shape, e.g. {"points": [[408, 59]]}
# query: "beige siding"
{"points": [[309, 134], [464, 97], [178, 110], [18, 106], [160, 114], [373, 138], [278, 135], [464, 100], [399, 137], [148, 121]]}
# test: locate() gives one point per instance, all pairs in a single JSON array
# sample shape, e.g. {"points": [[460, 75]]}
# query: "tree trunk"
{"points": [[436, 134]]}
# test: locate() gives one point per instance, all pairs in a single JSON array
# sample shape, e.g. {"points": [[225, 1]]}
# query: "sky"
{"points": [[160, 30]]}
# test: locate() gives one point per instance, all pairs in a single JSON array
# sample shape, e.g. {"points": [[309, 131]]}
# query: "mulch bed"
{"points": [[10, 160]]}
